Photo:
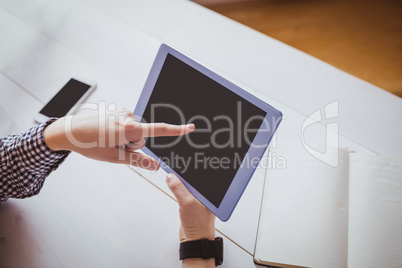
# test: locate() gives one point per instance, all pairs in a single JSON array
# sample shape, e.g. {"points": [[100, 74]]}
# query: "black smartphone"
{"points": [[64, 102]]}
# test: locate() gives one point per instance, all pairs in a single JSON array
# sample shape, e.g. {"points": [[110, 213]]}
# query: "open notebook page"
{"points": [[375, 211], [304, 212]]}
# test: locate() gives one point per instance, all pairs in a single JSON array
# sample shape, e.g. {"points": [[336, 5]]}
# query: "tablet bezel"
{"points": [[243, 174]]}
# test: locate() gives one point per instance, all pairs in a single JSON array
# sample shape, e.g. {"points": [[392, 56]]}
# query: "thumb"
{"points": [[178, 189]]}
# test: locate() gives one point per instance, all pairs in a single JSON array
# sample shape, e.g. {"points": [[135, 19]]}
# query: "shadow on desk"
{"points": [[17, 248]]}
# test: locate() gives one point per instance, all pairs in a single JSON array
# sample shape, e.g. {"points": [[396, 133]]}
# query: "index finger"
{"points": [[163, 129]]}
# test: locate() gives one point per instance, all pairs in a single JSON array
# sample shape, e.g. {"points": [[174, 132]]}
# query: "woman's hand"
{"points": [[112, 138], [197, 222]]}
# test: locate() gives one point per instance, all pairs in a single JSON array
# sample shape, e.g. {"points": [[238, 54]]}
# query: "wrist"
{"points": [[55, 137], [191, 236]]}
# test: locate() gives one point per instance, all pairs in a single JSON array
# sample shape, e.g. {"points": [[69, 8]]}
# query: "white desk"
{"points": [[92, 214]]}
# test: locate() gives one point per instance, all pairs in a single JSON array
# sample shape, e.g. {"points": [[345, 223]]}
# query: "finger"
{"points": [[133, 146], [163, 129], [178, 189], [125, 112], [142, 160]]}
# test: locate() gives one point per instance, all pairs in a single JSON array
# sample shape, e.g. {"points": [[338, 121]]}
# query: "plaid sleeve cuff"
{"points": [[25, 162], [37, 157]]}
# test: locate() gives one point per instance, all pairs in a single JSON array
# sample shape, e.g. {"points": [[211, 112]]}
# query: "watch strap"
{"points": [[204, 249]]}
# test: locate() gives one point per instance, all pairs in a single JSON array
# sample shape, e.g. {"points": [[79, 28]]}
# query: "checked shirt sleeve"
{"points": [[25, 162]]}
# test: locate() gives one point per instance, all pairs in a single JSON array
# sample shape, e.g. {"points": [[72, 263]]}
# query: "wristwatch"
{"points": [[204, 249]]}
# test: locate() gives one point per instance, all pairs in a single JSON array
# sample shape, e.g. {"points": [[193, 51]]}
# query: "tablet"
{"points": [[233, 129]]}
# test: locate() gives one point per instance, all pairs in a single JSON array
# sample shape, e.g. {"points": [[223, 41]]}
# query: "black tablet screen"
{"points": [[226, 125]]}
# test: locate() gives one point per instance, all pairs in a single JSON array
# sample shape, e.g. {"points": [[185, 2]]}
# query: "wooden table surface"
{"points": [[94, 214], [361, 37]]}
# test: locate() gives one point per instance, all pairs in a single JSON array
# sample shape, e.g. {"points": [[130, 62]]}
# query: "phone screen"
{"points": [[65, 99]]}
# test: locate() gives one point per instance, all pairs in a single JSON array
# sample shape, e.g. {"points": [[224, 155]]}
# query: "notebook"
{"points": [[315, 215]]}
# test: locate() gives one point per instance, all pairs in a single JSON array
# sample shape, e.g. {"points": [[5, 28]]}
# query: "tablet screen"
{"points": [[226, 124]]}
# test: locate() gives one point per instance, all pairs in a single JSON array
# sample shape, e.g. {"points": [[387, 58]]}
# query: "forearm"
{"points": [[198, 262]]}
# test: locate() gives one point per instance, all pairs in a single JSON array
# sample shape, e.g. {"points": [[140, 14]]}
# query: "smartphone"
{"points": [[64, 102]]}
